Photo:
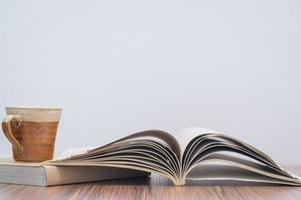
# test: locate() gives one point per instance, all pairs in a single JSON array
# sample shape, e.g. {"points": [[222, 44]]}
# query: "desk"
{"points": [[156, 187]]}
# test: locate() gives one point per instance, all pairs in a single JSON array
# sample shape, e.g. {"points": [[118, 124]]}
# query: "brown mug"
{"points": [[32, 132]]}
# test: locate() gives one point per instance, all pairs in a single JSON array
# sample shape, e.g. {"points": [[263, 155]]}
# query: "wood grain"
{"points": [[156, 187]]}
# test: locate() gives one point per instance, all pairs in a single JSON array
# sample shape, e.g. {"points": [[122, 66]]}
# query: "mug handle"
{"points": [[8, 123]]}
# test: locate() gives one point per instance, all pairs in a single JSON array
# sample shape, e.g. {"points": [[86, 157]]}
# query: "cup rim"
{"points": [[34, 107]]}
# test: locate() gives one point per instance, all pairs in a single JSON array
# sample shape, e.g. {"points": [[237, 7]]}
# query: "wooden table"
{"points": [[156, 187]]}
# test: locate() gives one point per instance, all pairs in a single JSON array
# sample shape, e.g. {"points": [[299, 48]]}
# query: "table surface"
{"points": [[155, 187]]}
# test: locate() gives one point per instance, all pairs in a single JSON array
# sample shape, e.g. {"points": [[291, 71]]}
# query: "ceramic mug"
{"points": [[32, 132]]}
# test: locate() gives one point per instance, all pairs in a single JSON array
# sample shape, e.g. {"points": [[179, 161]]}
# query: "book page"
{"points": [[218, 171], [186, 135], [162, 136], [262, 170], [140, 153], [209, 143]]}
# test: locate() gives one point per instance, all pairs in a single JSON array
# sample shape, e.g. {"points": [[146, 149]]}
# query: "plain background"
{"points": [[118, 67]]}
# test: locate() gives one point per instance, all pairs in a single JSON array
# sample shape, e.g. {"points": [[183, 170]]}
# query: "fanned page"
{"points": [[219, 148], [151, 151], [159, 152]]}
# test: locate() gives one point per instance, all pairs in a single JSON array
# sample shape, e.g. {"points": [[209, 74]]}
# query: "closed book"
{"points": [[45, 175]]}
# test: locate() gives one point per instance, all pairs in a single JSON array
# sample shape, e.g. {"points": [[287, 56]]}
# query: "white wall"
{"points": [[122, 66]]}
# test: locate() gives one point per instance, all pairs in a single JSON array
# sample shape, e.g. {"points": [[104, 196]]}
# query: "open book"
{"points": [[159, 152]]}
